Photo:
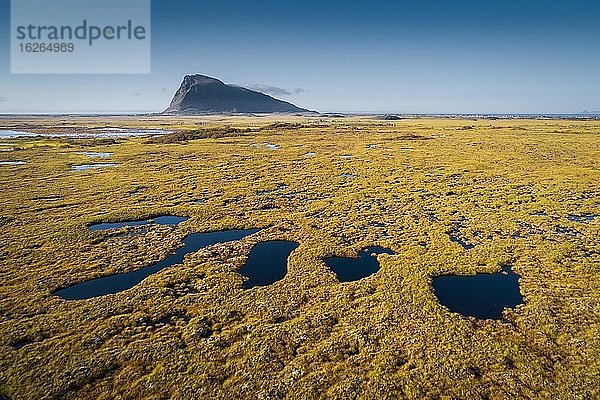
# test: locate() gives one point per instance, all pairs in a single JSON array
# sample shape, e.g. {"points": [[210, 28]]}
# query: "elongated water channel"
{"points": [[119, 282]]}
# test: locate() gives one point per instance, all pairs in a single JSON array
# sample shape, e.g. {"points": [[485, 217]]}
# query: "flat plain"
{"points": [[447, 196]]}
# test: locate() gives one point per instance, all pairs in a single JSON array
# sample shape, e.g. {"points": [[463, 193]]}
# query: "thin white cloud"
{"points": [[273, 90]]}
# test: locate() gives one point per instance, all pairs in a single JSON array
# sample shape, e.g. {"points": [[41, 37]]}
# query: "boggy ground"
{"points": [[507, 187]]}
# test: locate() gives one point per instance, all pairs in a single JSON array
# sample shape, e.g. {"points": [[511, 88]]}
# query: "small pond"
{"points": [[482, 296], [267, 263], [354, 269], [123, 281], [170, 220]]}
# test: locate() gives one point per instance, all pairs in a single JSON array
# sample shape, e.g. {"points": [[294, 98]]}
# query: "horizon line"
{"points": [[325, 113]]}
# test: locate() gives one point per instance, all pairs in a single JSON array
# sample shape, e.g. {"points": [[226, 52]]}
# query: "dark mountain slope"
{"points": [[199, 94]]}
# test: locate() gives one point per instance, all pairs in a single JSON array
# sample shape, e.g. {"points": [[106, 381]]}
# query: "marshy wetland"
{"points": [[350, 269], [126, 280], [188, 308]]}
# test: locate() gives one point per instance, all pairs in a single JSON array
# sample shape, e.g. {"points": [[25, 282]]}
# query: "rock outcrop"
{"points": [[199, 94]]}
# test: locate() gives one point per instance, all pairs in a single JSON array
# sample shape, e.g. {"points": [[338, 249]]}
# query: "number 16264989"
{"points": [[46, 47]]}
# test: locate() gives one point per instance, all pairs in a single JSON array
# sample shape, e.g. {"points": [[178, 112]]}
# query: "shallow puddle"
{"points": [[98, 133], [93, 154], [12, 163], [169, 220], [85, 167], [269, 146], [354, 269], [563, 230], [10, 134], [456, 236], [269, 191], [49, 198], [119, 282], [267, 263], [21, 343], [582, 218], [464, 244], [135, 192], [127, 132], [482, 296]]}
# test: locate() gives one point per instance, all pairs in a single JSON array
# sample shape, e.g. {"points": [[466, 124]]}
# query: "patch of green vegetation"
{"points": [[193, 134], [88, 142], [283, 125], [191, 331]]}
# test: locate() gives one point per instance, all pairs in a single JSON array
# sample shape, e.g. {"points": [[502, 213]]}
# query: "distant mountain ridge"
{"points": [[200, 94]]}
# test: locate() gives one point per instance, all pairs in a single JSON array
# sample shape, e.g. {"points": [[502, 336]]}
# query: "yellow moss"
{"points": [[190, 331]]}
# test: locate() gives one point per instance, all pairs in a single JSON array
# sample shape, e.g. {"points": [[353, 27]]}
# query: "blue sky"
{"points": [[372, 56]]}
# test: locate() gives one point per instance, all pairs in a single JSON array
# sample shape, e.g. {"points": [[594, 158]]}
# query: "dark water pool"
{"points": [[267, 263], [21, 343], [353, 269], [482, 296], [119, 282], [170, 220]]}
